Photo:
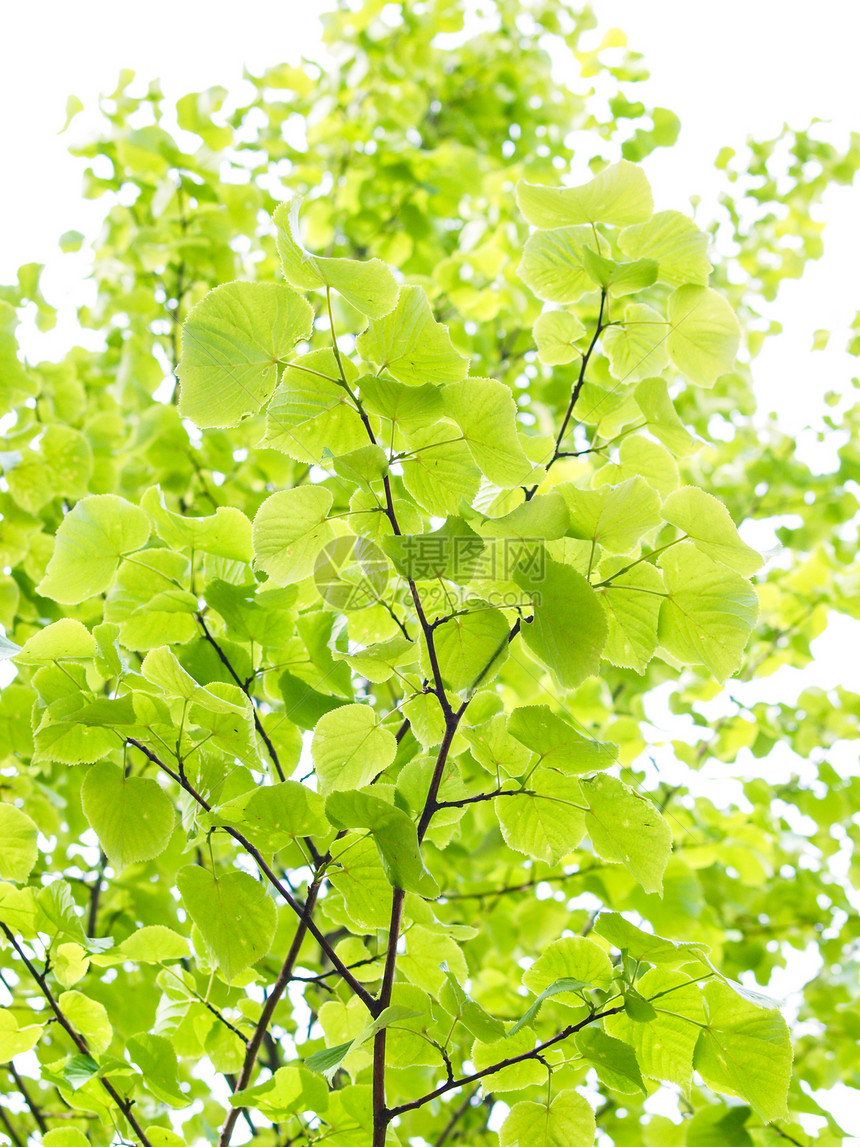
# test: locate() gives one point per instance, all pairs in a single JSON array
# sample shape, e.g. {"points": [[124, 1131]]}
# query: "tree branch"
{"points": [[77, 1039], [362, 993]]}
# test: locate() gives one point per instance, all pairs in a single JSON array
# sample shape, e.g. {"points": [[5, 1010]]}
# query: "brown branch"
{"points": [[455, 1118], [259, 860], [10, 1130], [278, 988], [77, 1039], [535, 1053], [35, 1111]]}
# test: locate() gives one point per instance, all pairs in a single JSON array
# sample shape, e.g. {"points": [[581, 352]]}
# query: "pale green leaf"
{"points": [[555, 332], [274, 815], [652, 398], [18, 851], [627, 827], [551, 264], [485, 411], [636, 348], [709, 612], [156, 1058], [706, 521], [677, 244], [133, 817], [632, 601], [350, 748], [619, 195], [291, 1089], [90, 541], [564, 987], [232, 342], [665, 1044], [618, 279], [15, 1040], [567, 1122], [234, 914], [570, 958], [614, 1061], [290, 530], [556, 742], [394, 833], [89, 1017], [226, 533], [369, 286], [704, 335], [569, 627], [407, 405], [746, 1051], [470, 649], [411, 345], [64, 640], [309, 413], [546, 822], [614, 517], [439, 472]]}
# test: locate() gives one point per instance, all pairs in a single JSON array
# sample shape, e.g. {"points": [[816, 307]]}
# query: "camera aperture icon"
{"points": [[350, 573]]}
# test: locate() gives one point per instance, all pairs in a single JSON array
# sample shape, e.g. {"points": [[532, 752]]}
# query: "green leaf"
{"points": [[646, 946], [226, 533], [154, 944], [614, 517], [563, 987], [232, 342], [652, 398], [614, 1061], [627, 827], [18, 851], [569, 628], [89, 1017], [556, 742], [395, 836], [133, 817], [632, 602], [15, 1040], [156, 1058], [547, 821], [719, 1126], [555, 332], [567, 1122], [470, 649], [407, 405], [570, 958], [162, 669], [90, 541], [705, 335], [78, 1070], [369, 286], [475, 1019], [440, 472], [706, 521], [309, 414], [290, 1090], [677, 244], [327, 1060], [275, 815], [664, 1045], [65, 1137], [234, 914], [486, 413], [709, 613], [15, 384], [290, 530], [64, 640], [350, 748], [636, 348], [411, 345], [551, 264], [618, 278], [619, 195], [746, 1051]]}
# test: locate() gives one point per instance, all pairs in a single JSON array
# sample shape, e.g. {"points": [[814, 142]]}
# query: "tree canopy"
{"points": [[340, 586]]}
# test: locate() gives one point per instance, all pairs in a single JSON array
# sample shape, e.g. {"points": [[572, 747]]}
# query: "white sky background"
{"points": [[730, 70]]}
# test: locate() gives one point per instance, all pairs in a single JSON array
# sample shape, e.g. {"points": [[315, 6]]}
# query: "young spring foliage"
{"points": [[325, 813]]}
